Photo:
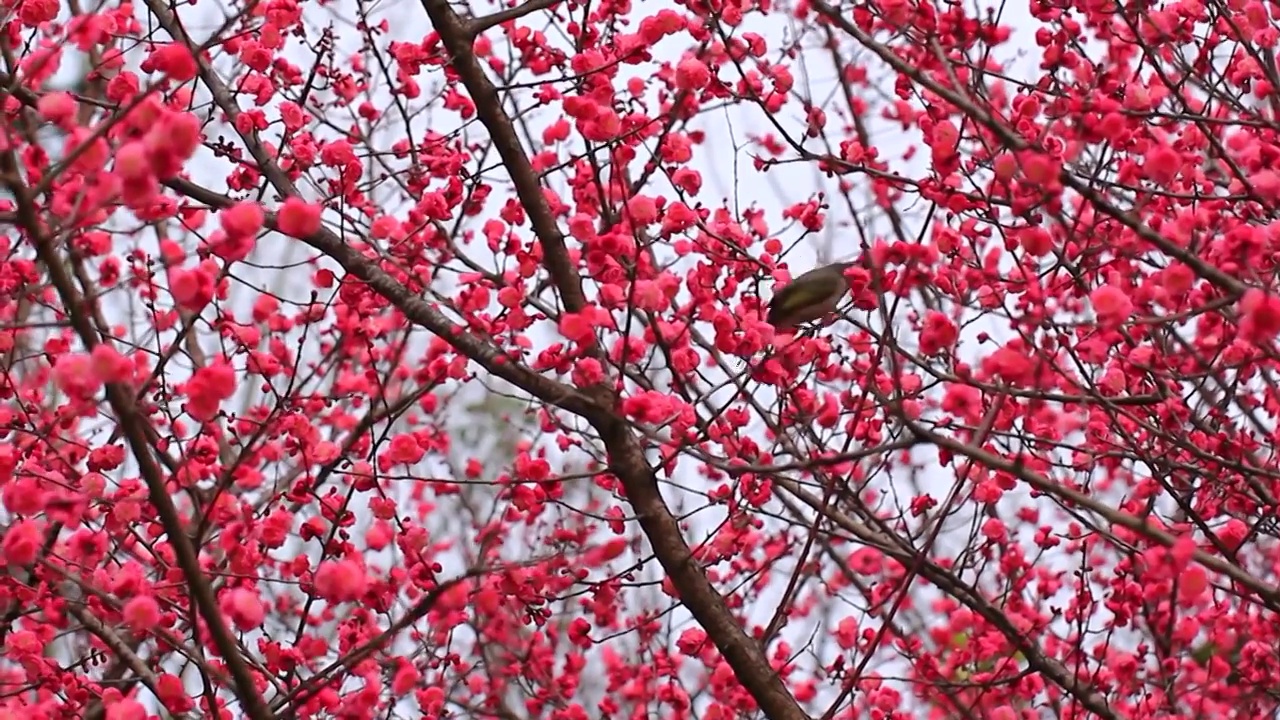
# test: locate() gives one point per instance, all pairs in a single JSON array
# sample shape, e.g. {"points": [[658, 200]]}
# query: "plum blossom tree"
{"points": [[372, 360]]}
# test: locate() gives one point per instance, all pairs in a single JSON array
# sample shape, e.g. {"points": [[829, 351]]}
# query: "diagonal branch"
{"points": [[420, 312], [1266, 592], [480, 24], [458, 40], [288, 704], [906, 554]]}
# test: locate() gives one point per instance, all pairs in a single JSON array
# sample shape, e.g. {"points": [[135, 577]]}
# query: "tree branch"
{"points": [[480, 24], [458, 40]]}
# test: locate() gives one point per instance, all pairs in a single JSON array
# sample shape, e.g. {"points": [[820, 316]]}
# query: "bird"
{"points": [[811, 296]]}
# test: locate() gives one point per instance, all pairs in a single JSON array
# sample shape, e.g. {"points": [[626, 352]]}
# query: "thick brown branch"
{"points": [[744, 655], [458, 41]]}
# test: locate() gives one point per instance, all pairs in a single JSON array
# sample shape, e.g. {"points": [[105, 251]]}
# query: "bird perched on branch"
{"points": [[809, 297]]}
